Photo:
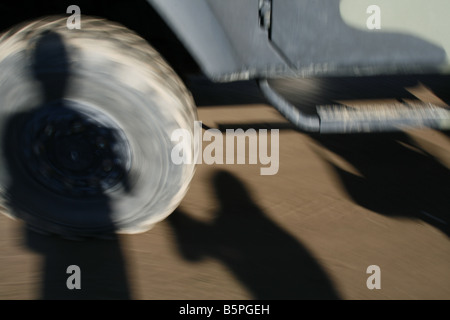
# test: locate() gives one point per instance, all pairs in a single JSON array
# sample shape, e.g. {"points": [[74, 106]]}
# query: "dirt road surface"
{"points": [[337, 205]]}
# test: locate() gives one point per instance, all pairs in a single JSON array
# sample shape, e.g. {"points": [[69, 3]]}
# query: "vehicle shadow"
{"points": [[207, 93], [32, 196], [271, 263], [395, 177]]}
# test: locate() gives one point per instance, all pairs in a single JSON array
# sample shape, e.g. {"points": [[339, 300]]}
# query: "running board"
{"points": [[380, 118], [361, 119]]}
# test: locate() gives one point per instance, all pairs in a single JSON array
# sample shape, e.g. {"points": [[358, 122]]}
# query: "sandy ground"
{"points": [[338, 205]]}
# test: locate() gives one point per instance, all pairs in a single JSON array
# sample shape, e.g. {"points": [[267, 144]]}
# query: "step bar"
{"points": [[360, 119]]}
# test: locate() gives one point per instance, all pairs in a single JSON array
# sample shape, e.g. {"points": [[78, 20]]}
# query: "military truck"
{"points": [[91, 91]]}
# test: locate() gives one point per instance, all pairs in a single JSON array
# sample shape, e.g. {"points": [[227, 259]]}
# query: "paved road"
{"points": [[337, 205]]}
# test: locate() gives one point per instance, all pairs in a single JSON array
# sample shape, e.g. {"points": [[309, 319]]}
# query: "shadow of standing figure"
{"points": [[55, 157], [266, 259], [396, 177]]}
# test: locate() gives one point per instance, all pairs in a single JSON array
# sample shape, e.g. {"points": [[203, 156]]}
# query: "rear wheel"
{"points": [[86, 118]]}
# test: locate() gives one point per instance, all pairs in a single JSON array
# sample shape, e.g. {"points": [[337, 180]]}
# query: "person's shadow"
{"points": [[271, 263], [40, 162], [395, 176]]}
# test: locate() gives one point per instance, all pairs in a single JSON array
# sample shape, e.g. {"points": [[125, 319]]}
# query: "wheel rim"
{"points": [[75, 152]]}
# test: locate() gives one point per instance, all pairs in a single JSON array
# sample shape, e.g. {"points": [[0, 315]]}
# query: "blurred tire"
{"points": [[108, 74]]}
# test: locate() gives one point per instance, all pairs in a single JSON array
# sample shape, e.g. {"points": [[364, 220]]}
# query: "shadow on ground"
{"points": [[263, 257], [102, 265], [35, 201], [397, 178]]}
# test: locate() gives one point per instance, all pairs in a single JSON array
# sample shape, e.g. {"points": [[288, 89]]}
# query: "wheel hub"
{"points": [[75, 153]]}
